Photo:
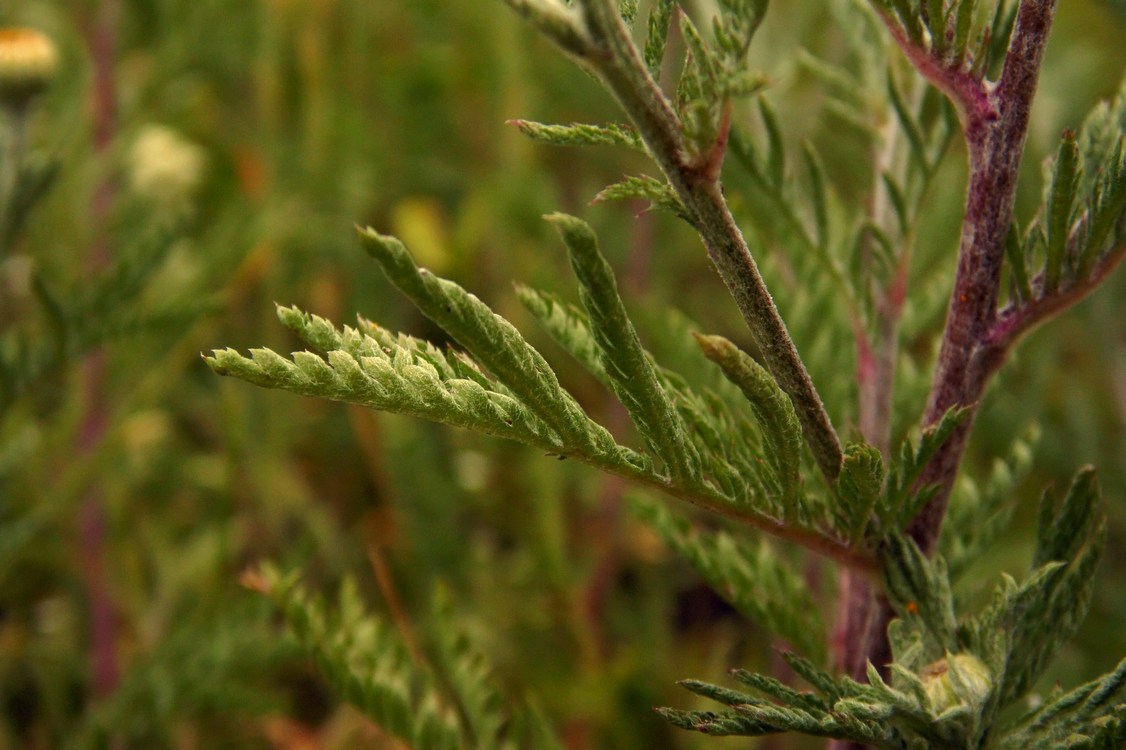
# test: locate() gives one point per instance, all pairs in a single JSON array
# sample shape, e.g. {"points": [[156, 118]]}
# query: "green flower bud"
{"points": [[28, 62], [942, 692]]}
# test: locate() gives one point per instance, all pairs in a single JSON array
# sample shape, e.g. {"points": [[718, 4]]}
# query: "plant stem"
{"points": [[862, 610], [1016, 320], [995, 120], [614, 57], [996, 145], [95, 420], [856, 559]]}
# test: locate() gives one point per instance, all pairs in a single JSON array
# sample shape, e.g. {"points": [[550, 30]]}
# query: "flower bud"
{"points": [[28, 62], [975, 678]]}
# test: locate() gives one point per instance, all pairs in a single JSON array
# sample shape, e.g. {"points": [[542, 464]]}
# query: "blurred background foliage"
{"points": [[307, 117]]}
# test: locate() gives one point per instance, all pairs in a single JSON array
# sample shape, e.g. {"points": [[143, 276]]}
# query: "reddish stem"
{"points": [[995, 120], [103, 626], [996, 145], [964, 89]]}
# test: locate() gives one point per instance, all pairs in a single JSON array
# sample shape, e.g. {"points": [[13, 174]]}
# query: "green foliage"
{"points": [[750, 574], [1083, 718], [134, 486], [1025, 625], [772, 409], [494, 341], [860, 487], [658, 193], [207, 669], [513, 392], [982, 510], [660, 21], [1078, 234], [445, 700], [950, 678], [632, 375], [955, 30], [902, 498], [581, 135]]}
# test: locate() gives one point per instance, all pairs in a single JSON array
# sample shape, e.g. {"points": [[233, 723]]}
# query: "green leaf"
{"points": [[700, 91], [995, 42], [963, 21], [859, 487], [580, 134], [935, 20], [632, 375], [404, 376], [741, 84], [914, 134], [1061, 197], [919, 587], [772, 409], [1106, 206], [493, 341], [1018, 264], [1087, 717], [657, 192], [979, 512], [902, 499], [560, 23], [776, 159], [445, 700], [703, 60], [779, 691], [848, 721], [818, 193], [1063, 531], [898, 201], [840, 80], [660, 20], [366, 662], [628, 9], [717, 693], [1044, 612], [910, 18], [568, 326], [735, 26]]}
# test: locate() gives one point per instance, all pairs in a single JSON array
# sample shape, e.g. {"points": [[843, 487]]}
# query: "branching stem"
{"points": [[860, 561], [616, 60], [963, 88], [995, 137]]}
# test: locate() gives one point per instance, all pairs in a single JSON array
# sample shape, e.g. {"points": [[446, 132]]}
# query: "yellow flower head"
{"points": [[28, 62]]}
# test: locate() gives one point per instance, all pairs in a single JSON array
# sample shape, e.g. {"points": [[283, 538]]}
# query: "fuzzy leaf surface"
{"points": [[632, 375]]}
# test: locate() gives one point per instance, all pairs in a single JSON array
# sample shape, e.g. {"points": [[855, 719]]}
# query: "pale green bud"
{"points": [[975, 677]]}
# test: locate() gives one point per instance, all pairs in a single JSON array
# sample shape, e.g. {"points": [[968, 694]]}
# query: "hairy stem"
{"points": [[996, 124], [858, 560], [996, 145], [614, 57]]}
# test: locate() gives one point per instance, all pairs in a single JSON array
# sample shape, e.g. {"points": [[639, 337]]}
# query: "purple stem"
{"points": [[103, 625], [996, 145], [995, 119]]}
